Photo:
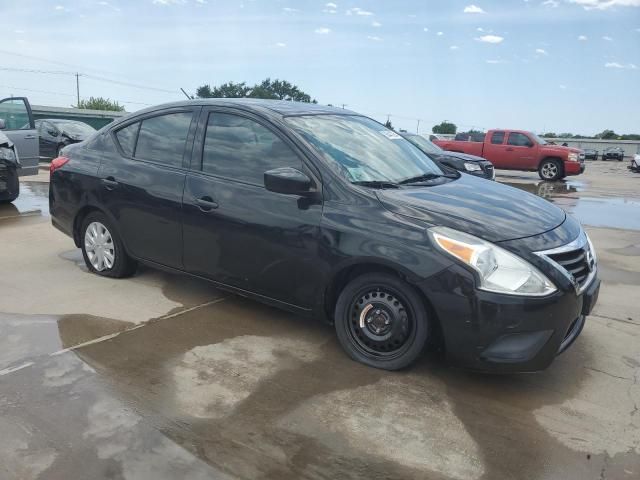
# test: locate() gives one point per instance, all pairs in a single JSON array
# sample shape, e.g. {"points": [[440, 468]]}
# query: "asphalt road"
{"points": [[163, 377]]}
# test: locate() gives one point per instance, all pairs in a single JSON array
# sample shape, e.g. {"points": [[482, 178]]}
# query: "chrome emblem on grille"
{"points": [[590, 262]]}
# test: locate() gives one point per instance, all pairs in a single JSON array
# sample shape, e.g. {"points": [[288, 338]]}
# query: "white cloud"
{"points": [[329, 10], [495, 61], [331, 5], [490, 39], [454, 47], [168, 2], [440, 34], [550, 3], [629, 66], [480, 29], [607, 38], [60, 7], [374, 38], [281, 44], [425, 29], [582, 38], [473, 9], [290, 10], [562, 87], [19, 32], [359, 11], [376, 24], [605, 4], [541, 51], [322, 30]]}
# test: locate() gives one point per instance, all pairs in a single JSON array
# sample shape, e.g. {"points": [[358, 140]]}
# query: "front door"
{"points": [[237, 232], [521, 151], [21, 130], [142, 181]]}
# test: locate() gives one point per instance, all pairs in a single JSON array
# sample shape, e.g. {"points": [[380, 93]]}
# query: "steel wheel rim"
{"points": [[549, 170], [381, 323], [99, 247]]}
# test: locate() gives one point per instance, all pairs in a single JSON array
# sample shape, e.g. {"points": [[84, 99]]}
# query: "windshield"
{"points": [[424, 144], [75, 128], [362, 149], [538, 139]]}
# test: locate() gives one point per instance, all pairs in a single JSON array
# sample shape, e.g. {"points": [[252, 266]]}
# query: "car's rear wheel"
{"points": [[102, 248], [550, 170], [381, 321]]}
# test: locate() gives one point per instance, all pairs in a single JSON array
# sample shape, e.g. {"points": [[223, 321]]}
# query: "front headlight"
{"points": [[472, 167], [573, 157], [500, 271], [7, 154]]}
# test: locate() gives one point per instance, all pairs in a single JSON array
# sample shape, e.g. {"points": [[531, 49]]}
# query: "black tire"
{"points": [[13, 186], [122, 265], [550, 169], [395, 333]]}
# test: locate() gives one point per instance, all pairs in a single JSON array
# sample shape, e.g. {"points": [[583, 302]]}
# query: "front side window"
{"points": [[362, 150], [163, 138], [497, 138], [518, 140], [15, 114], [127, 138], [241, 149]]}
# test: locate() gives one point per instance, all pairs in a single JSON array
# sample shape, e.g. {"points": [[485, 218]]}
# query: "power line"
{"points": [[65, 94]]}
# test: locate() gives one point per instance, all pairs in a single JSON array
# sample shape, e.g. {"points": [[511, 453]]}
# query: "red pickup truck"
{"points": [[520, 150]]}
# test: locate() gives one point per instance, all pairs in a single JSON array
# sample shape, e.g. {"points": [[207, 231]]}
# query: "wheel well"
{"points": [[557, 159], [344, 276], [77, 222]]}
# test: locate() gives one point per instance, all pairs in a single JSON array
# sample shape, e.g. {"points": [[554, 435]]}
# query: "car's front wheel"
{"points": [[381, 321], [550, 170], [102, 248]]}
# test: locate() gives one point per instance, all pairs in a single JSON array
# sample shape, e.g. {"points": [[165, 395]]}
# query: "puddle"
{"points": [[549, 189], [605, 212], [33, 200]]}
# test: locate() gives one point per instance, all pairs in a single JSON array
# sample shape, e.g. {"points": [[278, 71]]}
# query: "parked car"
{"points": [[635, 163], [590, 154], [55, 134], [613, 153], [463, 162], [9, 166], [520, 150], [325, 212], [18, 146]]}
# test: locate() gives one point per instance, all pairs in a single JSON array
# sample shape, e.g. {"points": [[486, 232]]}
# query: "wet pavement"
{"points": [[160, 376]]}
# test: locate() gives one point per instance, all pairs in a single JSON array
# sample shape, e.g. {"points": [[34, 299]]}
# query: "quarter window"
{"points": [[127, 138], [162, 139], [497, 138], [518, 140], [241, 149]]}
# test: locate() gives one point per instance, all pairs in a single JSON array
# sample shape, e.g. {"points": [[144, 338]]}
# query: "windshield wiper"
{"points": [[424, 177], [376, 184]]}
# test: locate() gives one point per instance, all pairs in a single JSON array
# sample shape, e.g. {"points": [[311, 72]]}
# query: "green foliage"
{"points": [[607, 135], [549, 135], [445, 128], [99, 103], [630, 136], [269, 89]]}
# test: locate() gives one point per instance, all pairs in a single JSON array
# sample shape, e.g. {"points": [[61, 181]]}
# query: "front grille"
{"points": [[575, 259]]}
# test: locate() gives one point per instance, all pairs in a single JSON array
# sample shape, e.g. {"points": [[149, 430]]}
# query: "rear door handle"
{"points": [[109, 183], [206, 203]]}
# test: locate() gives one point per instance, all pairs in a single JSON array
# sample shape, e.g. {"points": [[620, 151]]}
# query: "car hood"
{"points": [[462, 156], [559, 150], [488, 210]]}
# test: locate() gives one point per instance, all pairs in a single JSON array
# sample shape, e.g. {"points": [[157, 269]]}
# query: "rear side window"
{"points": [[241, 149], [497, 138], [127, 138], [162, 139], [518, 140]]}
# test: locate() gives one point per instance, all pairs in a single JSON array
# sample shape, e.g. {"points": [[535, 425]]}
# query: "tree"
{"points": [[388, 124], [549, 135], [99, 103], [630, 136], [607, 135], [269, 89], [445, 128], [566, 135]]}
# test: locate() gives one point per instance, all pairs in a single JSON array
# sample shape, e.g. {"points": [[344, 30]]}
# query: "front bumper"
{"points": [[573, 168], [503, 333]]}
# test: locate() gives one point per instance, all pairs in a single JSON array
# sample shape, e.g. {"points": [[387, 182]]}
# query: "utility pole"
{"points": [[344, 105], [418, 127], [78, 89]]}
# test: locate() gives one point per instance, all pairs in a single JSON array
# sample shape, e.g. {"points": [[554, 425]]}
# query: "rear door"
{"points": [[235, 230], [21, 130], [495, 149], [143, 180]]}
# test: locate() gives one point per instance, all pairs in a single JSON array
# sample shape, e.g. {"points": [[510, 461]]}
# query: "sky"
{"points": [[540, 65]]}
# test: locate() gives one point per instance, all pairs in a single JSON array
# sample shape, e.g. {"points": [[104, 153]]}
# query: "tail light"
{"points": [[56, 163]]}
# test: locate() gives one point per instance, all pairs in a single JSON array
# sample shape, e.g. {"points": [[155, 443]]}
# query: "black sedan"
{"points": [[613, 153], [478, 166], [55, 134], [590, 154], [327, 213]]}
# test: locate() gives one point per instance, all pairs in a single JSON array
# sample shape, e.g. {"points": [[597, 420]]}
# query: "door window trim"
{"points": [[197, 157]]}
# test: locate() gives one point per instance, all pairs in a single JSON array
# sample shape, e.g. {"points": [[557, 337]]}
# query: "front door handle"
{"points": [[509, 149], [109, 183], [206, 203], [29, 137]]}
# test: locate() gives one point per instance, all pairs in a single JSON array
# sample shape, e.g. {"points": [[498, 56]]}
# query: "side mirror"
{"points": [[530, 144], [3, 125], [287, 180]]}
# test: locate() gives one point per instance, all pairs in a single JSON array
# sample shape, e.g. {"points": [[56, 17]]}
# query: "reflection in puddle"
{"points": [[548, 189], [607, 212], [33, 200]]}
